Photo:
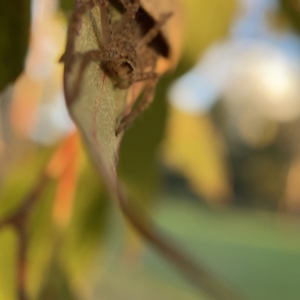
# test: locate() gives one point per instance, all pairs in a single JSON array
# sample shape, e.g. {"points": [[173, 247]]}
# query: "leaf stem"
{"points": [[195, 272]]}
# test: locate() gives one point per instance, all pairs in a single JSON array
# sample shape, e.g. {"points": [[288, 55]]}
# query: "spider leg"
{"points": [[125, 22], [105, 21], [74, 27], [153, 32], [143, 76], [131, 6], [146, 100], [86, 59]]}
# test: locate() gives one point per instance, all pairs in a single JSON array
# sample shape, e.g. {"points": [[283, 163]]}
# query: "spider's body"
{"points": [[124, 52], [122, 66]]}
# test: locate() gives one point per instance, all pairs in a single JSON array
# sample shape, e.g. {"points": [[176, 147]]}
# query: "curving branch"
{"points": [[19, 220]]}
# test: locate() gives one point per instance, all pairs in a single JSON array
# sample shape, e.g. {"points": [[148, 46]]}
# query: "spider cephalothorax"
{"points": [[121, 68], [124, 51]]}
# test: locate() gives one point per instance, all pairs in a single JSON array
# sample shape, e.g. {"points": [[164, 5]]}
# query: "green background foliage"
{"points": [[14, 35]]}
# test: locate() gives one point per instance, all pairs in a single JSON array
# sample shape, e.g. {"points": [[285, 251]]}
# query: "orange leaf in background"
{"points": [[64, 165]]}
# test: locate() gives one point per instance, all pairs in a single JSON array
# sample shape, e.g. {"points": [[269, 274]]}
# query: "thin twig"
{"points": [[19, 220], [197, 274], [22, 267]]}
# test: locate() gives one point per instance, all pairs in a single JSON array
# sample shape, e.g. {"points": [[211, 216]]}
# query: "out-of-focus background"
{"points": [[215, 161]]}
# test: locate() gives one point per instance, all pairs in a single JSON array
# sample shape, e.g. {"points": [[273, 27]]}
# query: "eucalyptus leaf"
{"points": [[99, 104], [97, 107]]}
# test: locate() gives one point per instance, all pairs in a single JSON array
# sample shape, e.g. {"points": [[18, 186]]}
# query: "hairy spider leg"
{"points": [[143, 76], [73, 29], [105, 21], [124, 24], [142, 105], [148, 95], [153, 32], [86, 59], [131, 6]]}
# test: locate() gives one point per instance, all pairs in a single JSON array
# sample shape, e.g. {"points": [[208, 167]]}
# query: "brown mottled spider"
{"points": [[124, 53]]}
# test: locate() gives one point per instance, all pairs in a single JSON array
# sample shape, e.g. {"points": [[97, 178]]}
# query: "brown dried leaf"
{"points": [[172, 31]]}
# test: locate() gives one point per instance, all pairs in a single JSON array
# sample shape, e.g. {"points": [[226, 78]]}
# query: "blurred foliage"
{"points": [[206, 22], [291, 9], [88, 224], [16, 174], [8, 264], [193, 147], [258, 252], [14, 24], [56, 284], [66, 5], [53, 252]]}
